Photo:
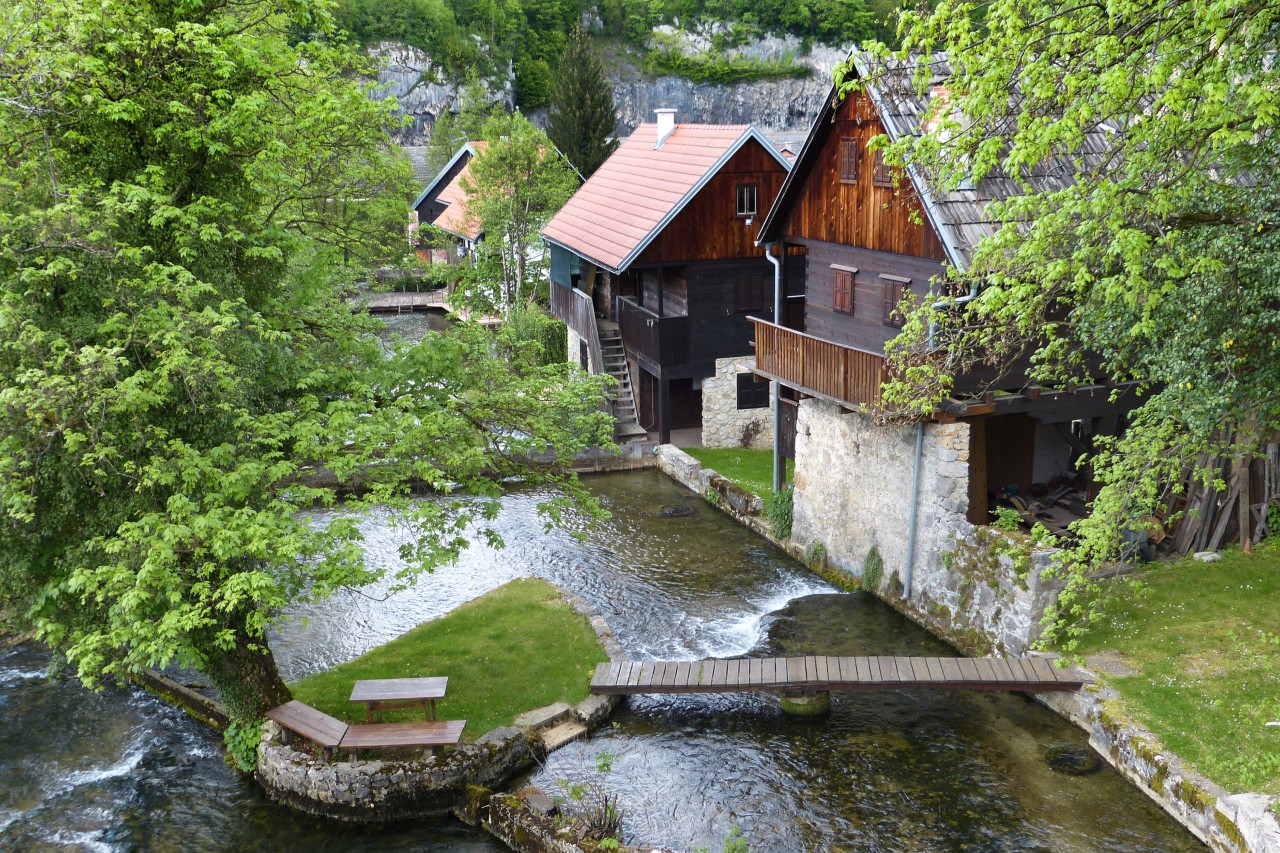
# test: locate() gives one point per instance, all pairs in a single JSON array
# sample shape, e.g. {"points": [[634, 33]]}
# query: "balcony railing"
{"points": [[658, 340], [575, 308], [822, 368]]}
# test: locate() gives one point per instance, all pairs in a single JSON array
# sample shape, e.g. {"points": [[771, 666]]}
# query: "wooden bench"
{"points": [[403, 735], [316, 726]]}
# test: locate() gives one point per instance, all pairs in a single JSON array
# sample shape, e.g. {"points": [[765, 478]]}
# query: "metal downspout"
{"points": [[915, 511], [943, 303], [774, 392]]}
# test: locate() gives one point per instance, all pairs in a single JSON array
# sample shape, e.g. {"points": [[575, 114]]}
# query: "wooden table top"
{"points": [[398, 689]]}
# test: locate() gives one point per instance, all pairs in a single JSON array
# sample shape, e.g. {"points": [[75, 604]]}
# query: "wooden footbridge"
{"points": [[818, 674], [406, 302]]}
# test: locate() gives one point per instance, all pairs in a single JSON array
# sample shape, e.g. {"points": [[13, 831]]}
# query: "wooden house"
{"points": [[442, 204], [655, 268], [865, 243]]}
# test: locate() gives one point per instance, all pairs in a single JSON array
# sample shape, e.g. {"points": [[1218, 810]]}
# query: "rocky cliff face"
{"points": [[787, 106]]}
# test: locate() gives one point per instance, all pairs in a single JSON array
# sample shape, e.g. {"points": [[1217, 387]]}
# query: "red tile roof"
{"points": [[454, 219], [639, 188]]}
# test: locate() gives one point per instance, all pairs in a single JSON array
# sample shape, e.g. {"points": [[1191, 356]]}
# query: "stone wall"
{"points": [[1231, 823], [384, 791], [723, 423], [978, 588]]}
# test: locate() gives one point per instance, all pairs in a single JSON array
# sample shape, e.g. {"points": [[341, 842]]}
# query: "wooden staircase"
{"points": [[622, 396]]}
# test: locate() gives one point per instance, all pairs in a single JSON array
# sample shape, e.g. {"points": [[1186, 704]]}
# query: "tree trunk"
{"points": [[246, 678]]}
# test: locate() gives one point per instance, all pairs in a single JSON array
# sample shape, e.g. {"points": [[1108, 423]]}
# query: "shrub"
{"points": [[872, 569], [780, 512], [816, 554]]}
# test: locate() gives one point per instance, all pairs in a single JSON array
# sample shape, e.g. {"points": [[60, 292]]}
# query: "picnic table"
{"points": [[379, 693]]}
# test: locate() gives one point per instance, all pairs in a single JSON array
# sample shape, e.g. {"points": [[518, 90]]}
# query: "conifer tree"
{"points": [[582, 115]]}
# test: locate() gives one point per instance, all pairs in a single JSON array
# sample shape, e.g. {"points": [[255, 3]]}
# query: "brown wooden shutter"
{"points": [[849, 161], [843, 291], [894, 288], [880, 175]]}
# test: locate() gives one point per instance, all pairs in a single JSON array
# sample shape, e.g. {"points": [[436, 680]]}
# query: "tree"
{"points": [[515, 185], [1160, 254], [180, 184], [582, 115]]}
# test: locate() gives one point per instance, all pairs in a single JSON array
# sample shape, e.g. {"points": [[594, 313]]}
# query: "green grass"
{"points": [[750, 469], [1205, 640], [517, 648]]}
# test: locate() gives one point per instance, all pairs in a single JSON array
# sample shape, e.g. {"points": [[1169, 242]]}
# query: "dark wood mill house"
{"points": [[655, 269], [443, 204], [910, 491]]}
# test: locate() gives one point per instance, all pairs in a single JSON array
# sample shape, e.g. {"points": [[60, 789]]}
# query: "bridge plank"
{"points": [[649, 672], [934, 666], [888, 669], [811, 668], [846, 672], [1001, 668], [795, 671], [873, 666], [986, 673], [951, 671], [968, 671], [768, 667], [824, 669], [862, 669], [755, 677], [1044, 670], [1023, 671]]}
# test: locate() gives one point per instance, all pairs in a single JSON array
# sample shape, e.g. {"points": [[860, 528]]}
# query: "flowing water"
{"points": [[888, 771], [411, 328]]}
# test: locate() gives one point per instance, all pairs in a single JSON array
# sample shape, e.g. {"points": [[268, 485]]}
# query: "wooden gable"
{"points": [[835, 205], [709, 227]]}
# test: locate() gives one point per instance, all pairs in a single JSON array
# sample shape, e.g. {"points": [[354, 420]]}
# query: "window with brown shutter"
{"points": [[747, 199], [894, 289], [880, 175], [848, 161], [842, 281]]}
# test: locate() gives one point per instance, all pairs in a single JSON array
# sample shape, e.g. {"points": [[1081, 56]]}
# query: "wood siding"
{"points": [[709, 227], [864, 328], [858, 214]]}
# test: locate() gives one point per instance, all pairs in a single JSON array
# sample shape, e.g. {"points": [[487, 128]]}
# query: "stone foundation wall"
{"points": [[978, 588], [383, 791], [1230, 823], [723, 423]]}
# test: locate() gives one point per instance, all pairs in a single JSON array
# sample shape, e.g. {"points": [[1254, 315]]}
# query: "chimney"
{"points": [[666, 124]]}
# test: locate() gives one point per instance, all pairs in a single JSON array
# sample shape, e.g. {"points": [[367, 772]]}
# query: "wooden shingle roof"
{"points": [[636, 192], [959, 216]]}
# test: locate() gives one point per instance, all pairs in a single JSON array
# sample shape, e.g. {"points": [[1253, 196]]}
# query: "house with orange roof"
{"points": [[655, 269], [443, 204]]}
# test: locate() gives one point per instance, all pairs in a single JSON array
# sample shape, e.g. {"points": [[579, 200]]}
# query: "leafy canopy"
{"points": [[186, 193], [1159, 263]]}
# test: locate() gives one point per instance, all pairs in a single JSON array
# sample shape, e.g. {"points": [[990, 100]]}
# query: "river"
{"points": [[889, 770]]}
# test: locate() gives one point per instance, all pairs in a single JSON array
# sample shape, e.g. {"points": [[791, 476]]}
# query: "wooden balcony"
{"points": [[655, 341], [842, 374]]}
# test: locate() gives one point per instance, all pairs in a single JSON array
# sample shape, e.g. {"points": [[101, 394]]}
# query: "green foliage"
{"points": [[532, 336], [872, 569], [712, 496], [720, 69], [242, 738], [515, 185], [1005, 518], [816, 554], [590, 811], [837, 22], [1162, 258], [453, 130], [735, 841], [779, 509], [582, 116], [177, 356], [426, 24], [511, 650]]}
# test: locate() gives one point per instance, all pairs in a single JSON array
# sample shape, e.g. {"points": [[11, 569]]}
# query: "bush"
{"points": [[872, 569], [816, 554], [532, 336], [780, 511]]}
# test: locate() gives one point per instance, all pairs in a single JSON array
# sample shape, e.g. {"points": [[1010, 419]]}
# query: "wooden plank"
{"points": [[863, 667], [1020, 673], [951, 671], [650, 675], [873, 667], [986, 673], [934, 667], [968, 671], [1000, 667], [768, 671], [1045, 669], [795, 671], [920, 670], [395, 735], [889, 669], [848, 671], [811, 668], [824, 670], [755, 672]]}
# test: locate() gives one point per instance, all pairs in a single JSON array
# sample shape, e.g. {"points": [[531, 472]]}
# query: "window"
{"points": [[748, 196], [894, 288], [881, 176], [848, 161], [748, 294], [842, 281], [752, 394]]}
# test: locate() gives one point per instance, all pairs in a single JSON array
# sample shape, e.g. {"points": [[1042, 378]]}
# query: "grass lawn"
{"points": [[1205, 642], [750, 469], [512, 650]]}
